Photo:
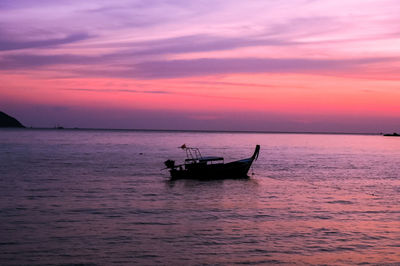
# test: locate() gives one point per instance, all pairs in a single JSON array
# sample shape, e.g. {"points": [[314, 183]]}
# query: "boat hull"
{"points": [[237, 169]]}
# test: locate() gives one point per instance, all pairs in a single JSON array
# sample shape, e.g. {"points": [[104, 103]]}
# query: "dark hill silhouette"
{"points": [[8, 121]]}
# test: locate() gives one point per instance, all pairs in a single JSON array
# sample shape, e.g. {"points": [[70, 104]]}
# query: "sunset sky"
{"points": [[298, 65]]}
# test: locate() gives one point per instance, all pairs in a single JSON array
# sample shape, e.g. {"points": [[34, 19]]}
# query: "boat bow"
{"points": [[256, 152]]}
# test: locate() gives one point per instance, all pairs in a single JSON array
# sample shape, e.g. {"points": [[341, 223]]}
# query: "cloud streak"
{"points": [[121, 90], [184, 68], [31, 61], [202, 43], [6, 44], [199, 67]]}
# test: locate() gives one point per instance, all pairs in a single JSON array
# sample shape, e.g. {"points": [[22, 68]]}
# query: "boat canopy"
{"points": [[193, 155], [211, 158], [205, 159]]}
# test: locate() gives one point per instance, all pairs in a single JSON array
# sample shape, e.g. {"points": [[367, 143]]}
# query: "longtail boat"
{"points": [[197, 166]]}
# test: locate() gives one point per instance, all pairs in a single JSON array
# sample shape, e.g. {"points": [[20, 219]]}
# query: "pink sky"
{"points": [[301, 65]]}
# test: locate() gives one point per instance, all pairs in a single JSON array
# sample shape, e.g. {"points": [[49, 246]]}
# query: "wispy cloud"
{"points": [[121, 90], [30, 61], [202, 43], [198, 67], [185, 68], [161, 92], [6, 43]]}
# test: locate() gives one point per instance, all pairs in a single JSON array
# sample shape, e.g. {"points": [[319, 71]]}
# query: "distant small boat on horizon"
{"points": [[392, 135], [196, 166]]}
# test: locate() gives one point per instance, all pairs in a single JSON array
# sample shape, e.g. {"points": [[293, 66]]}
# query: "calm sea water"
{"points": [[100, 198]]}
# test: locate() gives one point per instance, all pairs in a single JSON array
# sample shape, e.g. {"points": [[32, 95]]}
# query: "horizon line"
{"points": [[206, 131]]}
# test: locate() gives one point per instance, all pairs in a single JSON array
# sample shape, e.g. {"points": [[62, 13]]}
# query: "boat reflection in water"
{"points": [[210, 167]]}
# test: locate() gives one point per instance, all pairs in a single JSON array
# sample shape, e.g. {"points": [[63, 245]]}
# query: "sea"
{"points": [[102, 197]]}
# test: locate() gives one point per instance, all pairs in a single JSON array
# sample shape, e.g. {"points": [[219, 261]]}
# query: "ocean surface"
{"points": [[99, 197]]}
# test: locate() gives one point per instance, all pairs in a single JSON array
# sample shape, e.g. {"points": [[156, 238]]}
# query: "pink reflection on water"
{"points": [[320, 223]]}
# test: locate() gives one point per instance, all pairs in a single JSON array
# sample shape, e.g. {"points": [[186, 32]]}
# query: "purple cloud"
{"points": [[183, 68], [15, 4], [29, 61], [7, 44], [185, 44], [199, 67], [201, 43], [141, 20]]}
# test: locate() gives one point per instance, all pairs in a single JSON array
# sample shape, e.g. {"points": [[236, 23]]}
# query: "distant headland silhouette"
{"points": [[9, 121]]}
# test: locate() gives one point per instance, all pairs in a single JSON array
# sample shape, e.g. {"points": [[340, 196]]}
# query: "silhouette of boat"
{"points": [[392, 135], [211, 167]]}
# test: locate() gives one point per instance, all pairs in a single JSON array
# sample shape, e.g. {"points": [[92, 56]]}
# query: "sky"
{"points": [[277, 65]]}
